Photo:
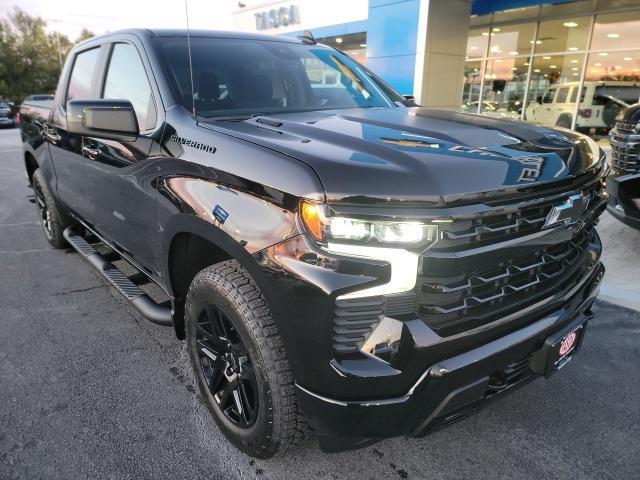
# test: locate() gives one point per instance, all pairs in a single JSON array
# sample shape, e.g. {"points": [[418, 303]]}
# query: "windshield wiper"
{"points": [[234, 118]]}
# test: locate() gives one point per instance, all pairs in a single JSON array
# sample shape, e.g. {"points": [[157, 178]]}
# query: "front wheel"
{"points": [[240, 363]]}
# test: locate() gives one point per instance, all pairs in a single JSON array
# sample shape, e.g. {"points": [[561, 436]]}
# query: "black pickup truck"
{"points": [[335, 256], [623, 183]]}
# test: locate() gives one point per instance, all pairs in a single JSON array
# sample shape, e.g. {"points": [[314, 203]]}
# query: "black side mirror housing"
{"points": [[410, 101], [539, 100], [108, 119]]}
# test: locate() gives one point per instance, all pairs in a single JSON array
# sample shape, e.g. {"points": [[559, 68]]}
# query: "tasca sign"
{"points": [[277, 17]]}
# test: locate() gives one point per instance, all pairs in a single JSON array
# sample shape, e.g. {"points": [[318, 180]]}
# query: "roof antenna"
{"points": [[193, 95], [307, 38]]}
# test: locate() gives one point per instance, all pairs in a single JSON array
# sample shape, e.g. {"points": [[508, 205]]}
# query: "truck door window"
{"points": [[127, 80], [84, 67], [548, 97], [563, 93]]}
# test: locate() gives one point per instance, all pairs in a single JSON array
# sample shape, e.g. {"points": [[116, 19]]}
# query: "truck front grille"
{"points": [[453, 296], [625, 147], [463, 234]]}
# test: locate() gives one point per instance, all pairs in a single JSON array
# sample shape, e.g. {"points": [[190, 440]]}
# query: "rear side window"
{"points": [[563, 93], [84, 67], [548, 97], [127, 80]]}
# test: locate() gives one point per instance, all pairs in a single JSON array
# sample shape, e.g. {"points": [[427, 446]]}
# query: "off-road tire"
{"points": [[53, 221], [279, 424]]}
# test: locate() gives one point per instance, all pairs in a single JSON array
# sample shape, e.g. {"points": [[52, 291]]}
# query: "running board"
{"points": [[158, 314]]}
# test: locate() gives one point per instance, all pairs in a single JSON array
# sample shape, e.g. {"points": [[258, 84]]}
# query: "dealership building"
{"points": [[569, 63]]}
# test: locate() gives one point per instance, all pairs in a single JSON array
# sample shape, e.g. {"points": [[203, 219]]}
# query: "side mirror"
{"points": [[410, 101], [109, 119], [539, 100]]}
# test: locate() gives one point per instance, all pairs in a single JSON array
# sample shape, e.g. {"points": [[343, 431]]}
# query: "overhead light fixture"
{"points": [[613, 35], [576, 74], [514, 69], [603, 54], [363, 45], [339, 40], [496, 30], [627, 59], [618, 67], [574, 68], [473, 48], [537, 70], [597, 64], [485, 34], [498, 61], [526, 63], [553, 66], [573, 49], [513, 52], [570, 24], [545, 75], [574, 61], [546, 58]]}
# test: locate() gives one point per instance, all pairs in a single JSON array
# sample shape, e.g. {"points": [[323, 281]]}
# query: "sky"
{"points": [[69, 17]]}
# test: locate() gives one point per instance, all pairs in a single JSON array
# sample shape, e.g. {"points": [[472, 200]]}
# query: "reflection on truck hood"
{"points": [[418, 154]]}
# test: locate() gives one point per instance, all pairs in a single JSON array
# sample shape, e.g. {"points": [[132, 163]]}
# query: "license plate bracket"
{"points": [[558, 349]]}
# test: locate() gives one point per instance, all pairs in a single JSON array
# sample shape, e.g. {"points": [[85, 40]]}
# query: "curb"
{"points": [[620, 296]]}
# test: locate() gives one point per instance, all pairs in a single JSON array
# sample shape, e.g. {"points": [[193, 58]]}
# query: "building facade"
{"points": [[570, 63]]}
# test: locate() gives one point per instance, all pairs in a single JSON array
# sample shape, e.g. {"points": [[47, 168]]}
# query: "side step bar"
{"points": [[149, 309]]}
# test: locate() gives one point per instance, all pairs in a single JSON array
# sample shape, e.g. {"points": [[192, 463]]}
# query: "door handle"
{"points": [[92, 153], [51, 134]]}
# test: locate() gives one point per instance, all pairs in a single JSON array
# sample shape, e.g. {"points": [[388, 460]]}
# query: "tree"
{"points": [[29, 56]]}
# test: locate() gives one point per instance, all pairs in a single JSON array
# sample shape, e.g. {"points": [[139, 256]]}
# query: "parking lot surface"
{"points": [[89, 389]]}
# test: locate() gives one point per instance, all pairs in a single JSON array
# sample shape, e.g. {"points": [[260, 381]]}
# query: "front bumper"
{"points": [[624, 198], [449, 389]]}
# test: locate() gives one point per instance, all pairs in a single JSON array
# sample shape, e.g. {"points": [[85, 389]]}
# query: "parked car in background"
{"points": [[623, 182], [333, 256], [6, 115], [600, 103], [38, 97]]}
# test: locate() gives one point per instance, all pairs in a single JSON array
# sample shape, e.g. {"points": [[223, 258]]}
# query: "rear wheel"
{"points": [[52, 220], [240, 363]]}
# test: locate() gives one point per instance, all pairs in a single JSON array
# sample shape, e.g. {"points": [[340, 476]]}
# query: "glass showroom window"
{"points": [[554, 87], [565, 35], [471, 88], [576, 69], [477, 43], [511, 40], [616, 31], [612, 83], [504, 87]]}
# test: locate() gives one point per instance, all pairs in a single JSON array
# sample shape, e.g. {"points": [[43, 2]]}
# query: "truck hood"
{"points": [[418, 154]]}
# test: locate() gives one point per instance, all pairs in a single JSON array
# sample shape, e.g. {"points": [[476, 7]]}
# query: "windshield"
{"points": [[238, 76]]}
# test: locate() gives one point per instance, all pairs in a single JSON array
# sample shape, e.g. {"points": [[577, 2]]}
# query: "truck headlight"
{"points": [[365, 232], [397, 242]]}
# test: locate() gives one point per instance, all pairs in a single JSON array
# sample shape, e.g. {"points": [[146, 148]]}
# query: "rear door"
{"points": [[119, 174], [65, 147]]}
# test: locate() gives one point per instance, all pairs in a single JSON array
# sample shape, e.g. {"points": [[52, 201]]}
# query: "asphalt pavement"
{"points": [[89, 389]]}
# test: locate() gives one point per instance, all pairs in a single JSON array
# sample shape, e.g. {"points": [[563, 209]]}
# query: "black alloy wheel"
{"points": [[227, 367]]}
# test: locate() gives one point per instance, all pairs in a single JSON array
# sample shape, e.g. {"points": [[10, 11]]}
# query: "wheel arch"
{"points": [[191, 244]]}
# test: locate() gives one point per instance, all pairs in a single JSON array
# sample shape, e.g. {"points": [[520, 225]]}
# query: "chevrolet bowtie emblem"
{"points": [[569, 213]]}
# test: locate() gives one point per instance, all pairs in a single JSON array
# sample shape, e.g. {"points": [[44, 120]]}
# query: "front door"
{"points": [[119, 173]]}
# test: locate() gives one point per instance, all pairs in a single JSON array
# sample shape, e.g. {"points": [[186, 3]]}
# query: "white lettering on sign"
{"points": [[281, 17]]}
